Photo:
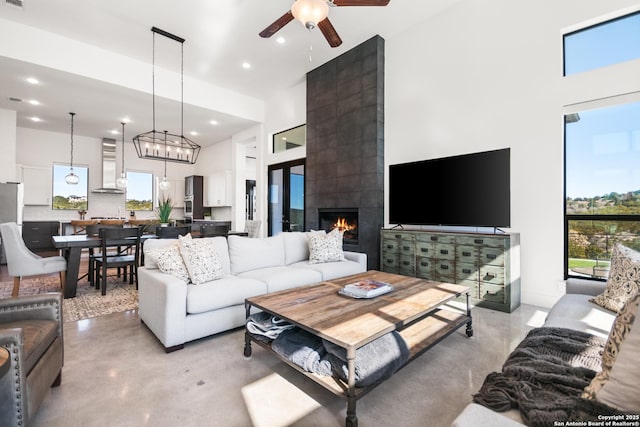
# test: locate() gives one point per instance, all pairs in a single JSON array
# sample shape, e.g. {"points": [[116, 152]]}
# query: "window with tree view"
{"points": [[602, 179], [70, 196], [602, 145], [139, 191]]}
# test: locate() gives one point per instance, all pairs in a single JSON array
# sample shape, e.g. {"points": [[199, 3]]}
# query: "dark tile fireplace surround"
{"points": [[344, 170]]}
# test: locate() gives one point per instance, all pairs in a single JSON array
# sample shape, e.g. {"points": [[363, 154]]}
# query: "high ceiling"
{"points": [[220, 35]]}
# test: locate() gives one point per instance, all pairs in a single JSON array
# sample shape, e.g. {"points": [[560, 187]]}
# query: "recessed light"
{"points": [[281, 40], [214, 122], [36, 119], [193, 133], [34, 102], [32, 80], [126, 120], [246, 65], [114, 132]]}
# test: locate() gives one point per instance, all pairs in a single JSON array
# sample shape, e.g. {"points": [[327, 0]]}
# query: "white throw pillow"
{"points": [[617, 384], [201, 259], [170, 261], [325, 247]]}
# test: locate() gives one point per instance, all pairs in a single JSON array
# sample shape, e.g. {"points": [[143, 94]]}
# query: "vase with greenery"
{"points": [[165, 205]]}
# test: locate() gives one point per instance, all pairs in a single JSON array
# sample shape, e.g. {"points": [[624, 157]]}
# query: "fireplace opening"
{"points": [[344, 219]]}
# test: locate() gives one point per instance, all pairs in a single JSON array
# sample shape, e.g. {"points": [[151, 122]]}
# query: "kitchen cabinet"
{"points": [[175, 191], [37, 235], [37, 185], [218, 189]]}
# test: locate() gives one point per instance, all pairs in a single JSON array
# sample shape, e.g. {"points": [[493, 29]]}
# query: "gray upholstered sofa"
{"points": [[31, 330], [574, 311], [177, 312]]}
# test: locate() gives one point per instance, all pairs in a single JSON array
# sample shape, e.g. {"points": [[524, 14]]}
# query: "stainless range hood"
{"points": [[109, 170]]}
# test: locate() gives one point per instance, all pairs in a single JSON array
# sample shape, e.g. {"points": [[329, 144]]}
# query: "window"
{"points": [[139, 191], [66, 196], [288, 139], [607, 43], [602, 186]]}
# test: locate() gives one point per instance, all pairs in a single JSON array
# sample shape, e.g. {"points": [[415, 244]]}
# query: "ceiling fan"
{"points": [[313, 13]]}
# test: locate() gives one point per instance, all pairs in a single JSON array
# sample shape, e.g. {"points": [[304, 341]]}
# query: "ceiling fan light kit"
{"points": [[315, 13], [310, 12]]}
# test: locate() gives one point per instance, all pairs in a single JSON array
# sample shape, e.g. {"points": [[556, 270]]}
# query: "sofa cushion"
{"points": [[296, 247], [325, 247], [279, 278], [574, 311], [248, 254], [201, 259], [37, 335], [221, 293], [624, 278], [617, 384], [332, 270]]}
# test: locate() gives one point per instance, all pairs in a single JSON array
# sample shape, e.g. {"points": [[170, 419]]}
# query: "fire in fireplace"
{"points": [[344, 219]]}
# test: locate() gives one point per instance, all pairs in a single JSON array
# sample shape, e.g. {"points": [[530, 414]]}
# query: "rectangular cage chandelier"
{"points": [[166, 146]]}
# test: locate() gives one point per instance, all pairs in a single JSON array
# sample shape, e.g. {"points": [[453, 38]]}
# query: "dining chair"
{"points": [[22, 262], [94, 230], [118, 237], [252, 227], [214, 230], [172, 232]]}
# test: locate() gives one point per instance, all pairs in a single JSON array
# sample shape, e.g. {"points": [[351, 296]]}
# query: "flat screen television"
{"points": [[466, 190]]}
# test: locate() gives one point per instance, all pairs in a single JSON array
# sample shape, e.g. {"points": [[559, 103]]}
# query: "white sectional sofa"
{"points": [[177, 312]]}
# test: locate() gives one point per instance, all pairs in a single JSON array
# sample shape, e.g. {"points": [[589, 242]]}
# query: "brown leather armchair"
{"points": [[31, 330]]}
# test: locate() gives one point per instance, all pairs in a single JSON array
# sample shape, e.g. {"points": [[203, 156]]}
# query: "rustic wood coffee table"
{"points": [[414, 309]]}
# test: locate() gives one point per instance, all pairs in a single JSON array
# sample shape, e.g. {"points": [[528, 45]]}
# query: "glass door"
{"points": [[286, 197]]}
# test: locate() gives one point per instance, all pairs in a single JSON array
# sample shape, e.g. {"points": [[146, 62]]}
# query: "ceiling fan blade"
{"points": [[329, 33], [277, 25], [360, 2]]}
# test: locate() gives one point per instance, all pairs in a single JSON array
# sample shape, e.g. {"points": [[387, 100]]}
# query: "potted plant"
{"points": [[165, 205]]}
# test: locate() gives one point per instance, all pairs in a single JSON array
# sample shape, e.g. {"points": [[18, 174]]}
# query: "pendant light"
{"points": [[122, 181], [147, 144], [164, 185], [72, 178]]}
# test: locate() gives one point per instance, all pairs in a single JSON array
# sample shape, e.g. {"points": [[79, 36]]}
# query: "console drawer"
{"points": [[466, 272], [467, 254], [492, 274], [445, 251], [493, 256], [492, 293]]}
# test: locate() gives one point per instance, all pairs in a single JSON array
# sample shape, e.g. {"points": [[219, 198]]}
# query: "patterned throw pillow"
{"points": [[617, 384], [170, 261], [325, 247], [623, 281], [201, 259]]}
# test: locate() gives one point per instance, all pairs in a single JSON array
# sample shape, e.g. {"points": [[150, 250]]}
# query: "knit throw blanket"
{"points": [[544, 377]]}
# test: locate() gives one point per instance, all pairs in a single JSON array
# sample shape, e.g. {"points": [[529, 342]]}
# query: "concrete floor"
{"points": [[117, 374]]}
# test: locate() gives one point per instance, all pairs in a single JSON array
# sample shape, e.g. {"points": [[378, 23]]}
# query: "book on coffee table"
{"points": [[366, 289]]}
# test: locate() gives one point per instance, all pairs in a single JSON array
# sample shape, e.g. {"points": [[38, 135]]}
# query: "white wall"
{"points": [[8, 145], [488, 74]]}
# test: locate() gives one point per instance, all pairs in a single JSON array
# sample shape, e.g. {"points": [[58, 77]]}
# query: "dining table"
{"points": [[71, 247]]}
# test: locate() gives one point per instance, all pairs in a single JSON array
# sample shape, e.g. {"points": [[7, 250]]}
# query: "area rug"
{"points": [[89, 302]]}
